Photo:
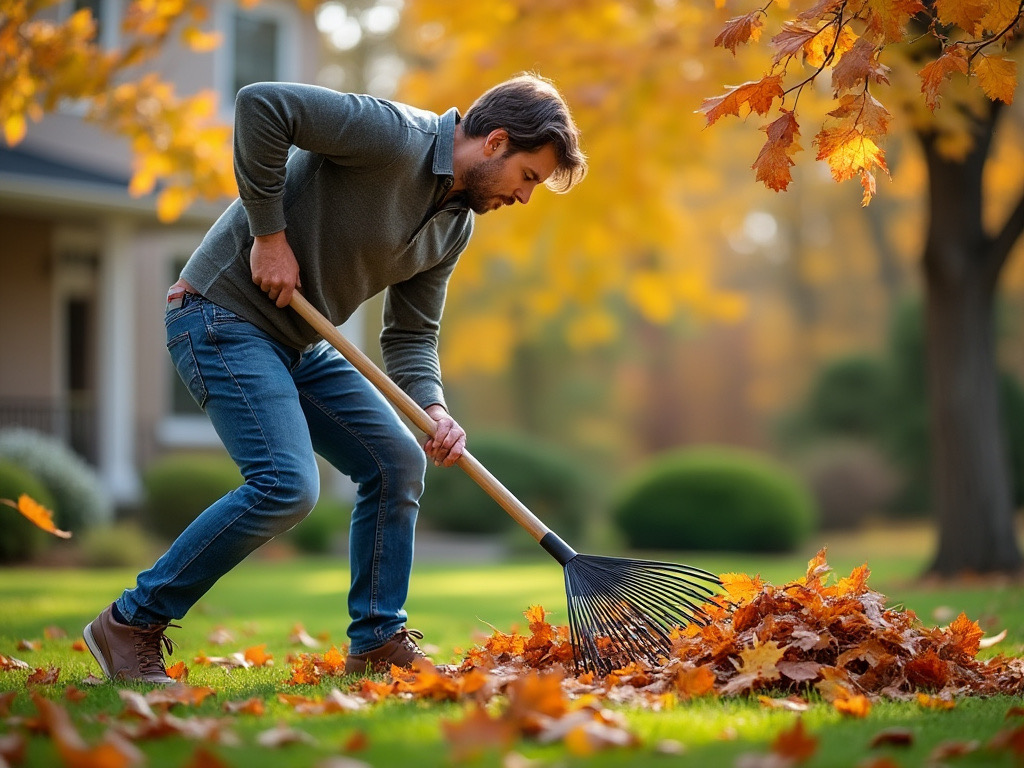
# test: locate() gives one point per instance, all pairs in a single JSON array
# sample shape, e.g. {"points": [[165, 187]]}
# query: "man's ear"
{"points": [[495, 141]]}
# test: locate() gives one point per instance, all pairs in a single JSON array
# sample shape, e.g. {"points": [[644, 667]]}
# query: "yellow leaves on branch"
{"points": [[37, 514], [178, 143], [851, 39]]}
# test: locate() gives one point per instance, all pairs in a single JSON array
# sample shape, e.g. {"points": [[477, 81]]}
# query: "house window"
{"points": [[256, 56]]}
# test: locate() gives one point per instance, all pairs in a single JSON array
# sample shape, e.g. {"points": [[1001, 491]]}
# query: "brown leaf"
{"points": [[740, 30], [29, 645], [54, 633], [301, 637], [281, 735], [7, 698], [205, 758], [41, 676], [112, 752], [966, 14], [477, 734], [793, 39], [9, 662], [795, 744], [893, 737], [776, 156], [935, 73], [948, 749], [858, 67], [12, 748], [887, 19]]}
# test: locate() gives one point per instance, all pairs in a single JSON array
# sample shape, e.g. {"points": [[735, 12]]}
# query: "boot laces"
{"points": [[150, 643], [408, 638]]}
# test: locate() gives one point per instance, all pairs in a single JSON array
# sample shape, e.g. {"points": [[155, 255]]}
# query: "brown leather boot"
{"points": [[129, 652], [401, 650]]}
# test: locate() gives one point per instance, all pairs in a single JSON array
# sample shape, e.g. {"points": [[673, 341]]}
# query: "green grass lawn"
{"points": [[455, 605]]}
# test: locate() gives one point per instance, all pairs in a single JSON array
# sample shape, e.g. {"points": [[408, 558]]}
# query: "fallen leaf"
{"points": [[795, 744], [205, 758], [29, 645], [9, 662], [178, 671], [54, 633], [252, 706], [112, 752], [855, 706], [36, 514], [893, 737], [41, 676], [282, 735], [935, 702], [476, 734], [948, 749], [988, 642], [300, 636], [79, 645], [792, 703], [12, 748], [257, 656]]}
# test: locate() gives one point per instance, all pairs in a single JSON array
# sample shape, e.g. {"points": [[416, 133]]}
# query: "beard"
{"points": [[482, 181]]}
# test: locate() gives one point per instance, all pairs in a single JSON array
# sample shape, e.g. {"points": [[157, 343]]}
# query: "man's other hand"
{"points": [[449, 440], [274, 267]]}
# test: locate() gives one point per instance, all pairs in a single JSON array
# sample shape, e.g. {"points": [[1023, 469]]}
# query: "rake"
{"points": [[620, 610]]}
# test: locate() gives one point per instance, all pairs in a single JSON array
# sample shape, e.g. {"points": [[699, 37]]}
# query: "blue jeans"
{"points": [[274, 408]]}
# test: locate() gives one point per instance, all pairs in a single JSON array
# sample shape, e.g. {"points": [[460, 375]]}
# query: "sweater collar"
{"points": [[444, 148]]}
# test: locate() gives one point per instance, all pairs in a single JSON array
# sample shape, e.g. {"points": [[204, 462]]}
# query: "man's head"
{"points": [[528, 138]]}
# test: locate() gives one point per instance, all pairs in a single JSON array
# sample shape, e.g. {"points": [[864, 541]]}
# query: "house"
{"points": [[86, 267]]}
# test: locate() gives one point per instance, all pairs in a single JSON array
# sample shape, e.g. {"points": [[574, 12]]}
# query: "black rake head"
{"points": [[623, 610]]}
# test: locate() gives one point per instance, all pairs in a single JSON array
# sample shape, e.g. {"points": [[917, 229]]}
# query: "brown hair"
{"points": [[534, 114]]}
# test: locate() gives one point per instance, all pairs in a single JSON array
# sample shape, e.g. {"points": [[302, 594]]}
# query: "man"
{"points": [[375, 196]]}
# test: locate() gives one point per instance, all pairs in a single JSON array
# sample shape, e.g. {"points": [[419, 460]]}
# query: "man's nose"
{"points": [[523, 195]]}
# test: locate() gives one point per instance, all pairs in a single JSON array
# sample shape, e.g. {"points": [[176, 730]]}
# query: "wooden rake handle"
{"points": [[406, 405]]}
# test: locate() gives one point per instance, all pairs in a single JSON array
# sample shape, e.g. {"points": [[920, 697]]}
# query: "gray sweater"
{"points": [[360, 203]]}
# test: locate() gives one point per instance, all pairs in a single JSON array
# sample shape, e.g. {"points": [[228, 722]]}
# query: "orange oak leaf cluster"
{"points": [[851, 38]]}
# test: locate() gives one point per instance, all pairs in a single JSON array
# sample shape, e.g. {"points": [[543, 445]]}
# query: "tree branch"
{"points": [[1002, 244]]}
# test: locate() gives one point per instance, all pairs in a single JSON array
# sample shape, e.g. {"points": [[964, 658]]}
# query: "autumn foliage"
{"points": [[861, 42]]}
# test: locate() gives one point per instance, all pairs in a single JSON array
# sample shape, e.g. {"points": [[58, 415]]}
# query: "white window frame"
{"points": [[287, 18]]}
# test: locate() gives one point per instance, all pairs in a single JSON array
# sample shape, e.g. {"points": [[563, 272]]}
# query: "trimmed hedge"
{"points": [[179, 487], [715, 499], [550, 484], [20, 540]]}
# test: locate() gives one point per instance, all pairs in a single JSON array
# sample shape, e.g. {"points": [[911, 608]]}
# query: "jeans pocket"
{"points": [[184, 360]]}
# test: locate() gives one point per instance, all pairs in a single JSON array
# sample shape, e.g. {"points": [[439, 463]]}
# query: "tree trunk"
{"points": [[971, 484]]}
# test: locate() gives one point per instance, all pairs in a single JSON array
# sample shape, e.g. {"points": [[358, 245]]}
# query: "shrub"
{"points": [[179, 487], [550, 484], [79, 501], [19, 539], [715, 499], [324, 529], [123, 545], [850, 481]]}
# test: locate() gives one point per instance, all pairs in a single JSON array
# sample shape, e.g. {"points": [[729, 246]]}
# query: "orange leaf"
{"points": [[888, 19], [998, 77], [258, 656], [740, 587], [776, 156], [966, 14], [856, 705], [742, 29], [793, 39], [757, 95], [965, 635], [934, 702], [696, 681], [933, 74], [204, 758], [795, 745], [178, 671], [41, 676], [37, 514]]}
